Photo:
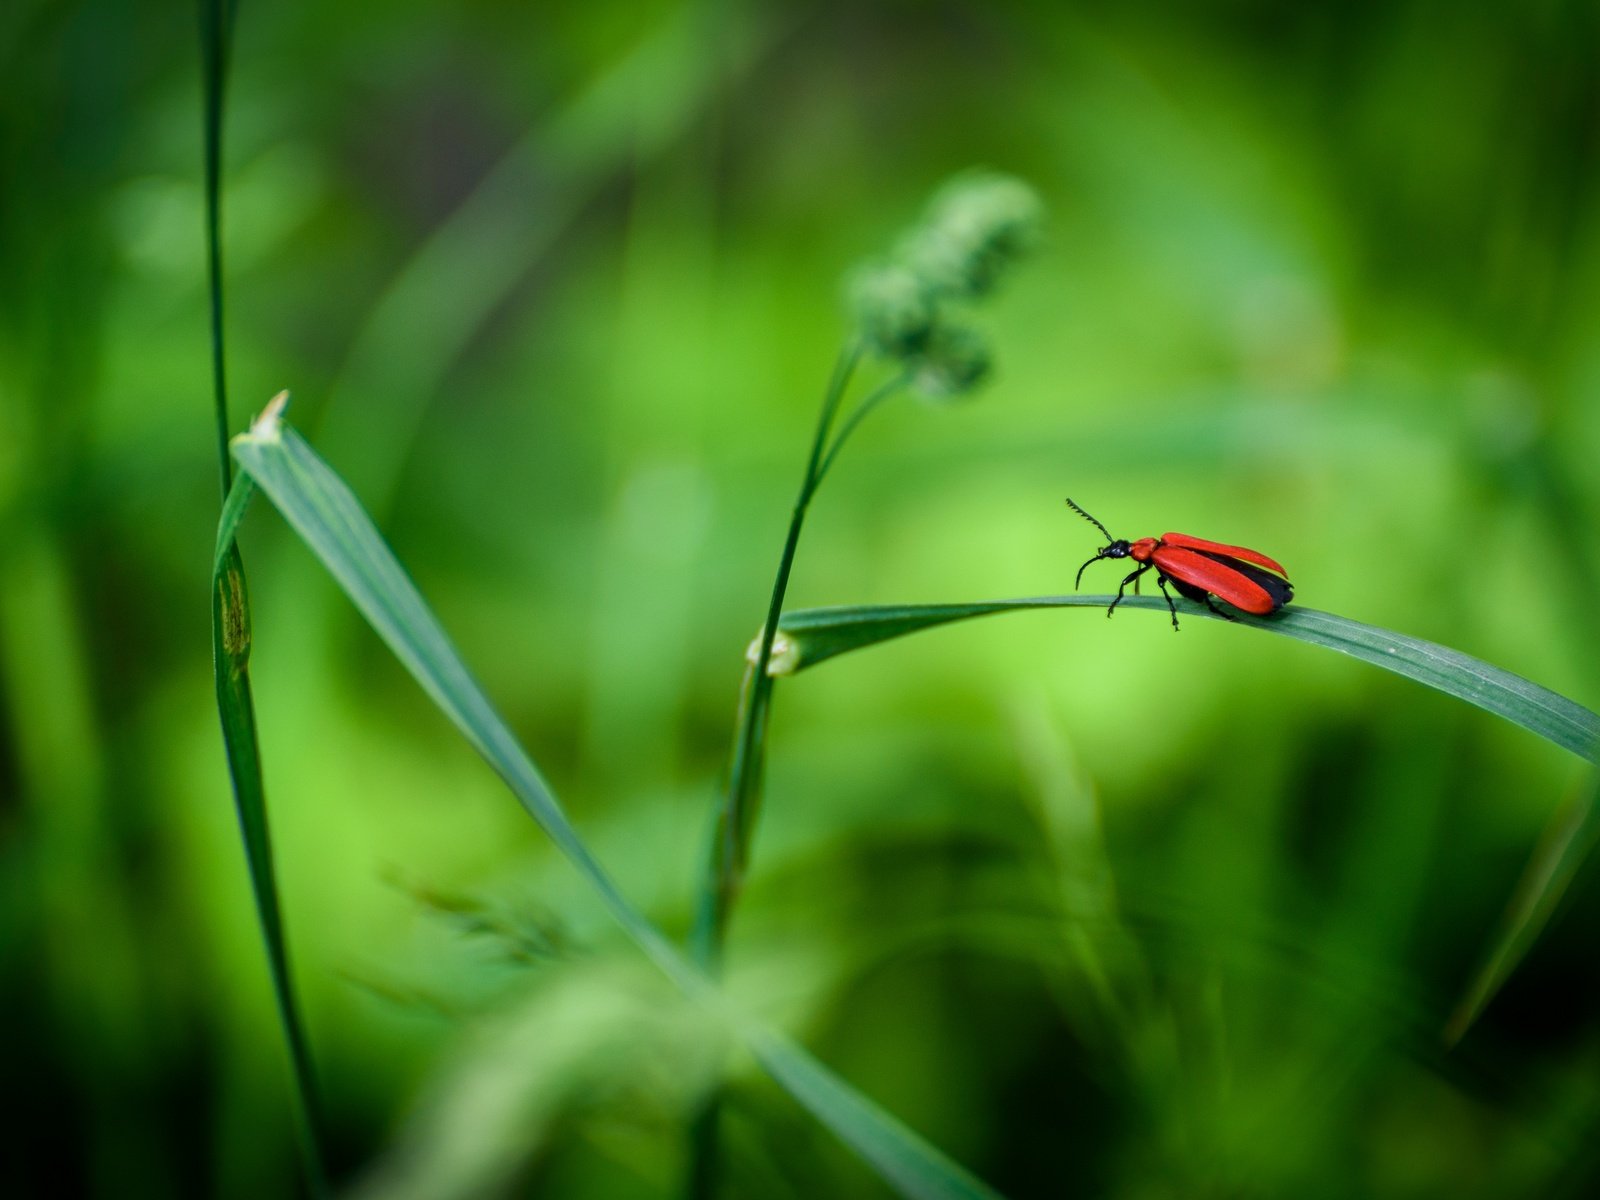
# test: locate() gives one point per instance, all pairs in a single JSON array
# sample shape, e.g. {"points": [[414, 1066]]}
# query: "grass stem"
{"points": [[736, 821], [725, 867], [877, 396], [230, 627]]}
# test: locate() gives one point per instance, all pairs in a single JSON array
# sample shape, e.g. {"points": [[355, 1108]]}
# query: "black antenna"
{"points": [[1090, 519]]}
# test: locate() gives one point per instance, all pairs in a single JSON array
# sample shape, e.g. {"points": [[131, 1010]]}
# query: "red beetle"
{"points": [[1199, 570]]}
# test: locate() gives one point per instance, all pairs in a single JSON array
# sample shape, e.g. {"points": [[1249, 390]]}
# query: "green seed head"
{"points": [[894, 309], [954, 363], [977, 226]]}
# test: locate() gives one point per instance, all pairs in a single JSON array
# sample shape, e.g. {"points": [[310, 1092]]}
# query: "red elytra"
{"points": [[1244, 578]]}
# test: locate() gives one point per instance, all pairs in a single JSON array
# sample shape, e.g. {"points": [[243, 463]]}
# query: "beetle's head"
{"points": [[1119, 547]]}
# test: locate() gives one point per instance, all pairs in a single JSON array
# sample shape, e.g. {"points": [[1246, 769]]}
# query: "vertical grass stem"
{"points": [[725, 868], [230, 626]]}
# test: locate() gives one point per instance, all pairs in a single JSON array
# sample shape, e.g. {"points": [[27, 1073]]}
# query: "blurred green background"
{"points": [[1099, 910]]}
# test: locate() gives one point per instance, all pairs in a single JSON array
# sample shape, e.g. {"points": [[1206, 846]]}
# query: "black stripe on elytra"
{"points": [[1275, 586]]}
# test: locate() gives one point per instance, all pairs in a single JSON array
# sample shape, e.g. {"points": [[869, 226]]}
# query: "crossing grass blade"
{"points": [[331, 521], [812, 636]]}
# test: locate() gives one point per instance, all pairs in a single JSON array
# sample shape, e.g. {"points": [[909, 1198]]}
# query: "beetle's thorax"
{"points": [[1117, 549], [1141, 550]]}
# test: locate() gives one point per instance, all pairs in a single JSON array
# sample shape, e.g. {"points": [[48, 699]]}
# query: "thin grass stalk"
{"points": [[230, 627], [975, 226], [736, 820], [216, 43], [884, 391]]}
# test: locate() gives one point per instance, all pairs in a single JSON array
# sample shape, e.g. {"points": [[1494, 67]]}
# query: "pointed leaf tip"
{"points": [[268, 426]]}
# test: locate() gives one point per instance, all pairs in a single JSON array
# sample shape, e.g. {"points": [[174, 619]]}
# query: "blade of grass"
{"points": [[230, 624], [230, 632], [812, 636], [331, 521], [1568, 840]]}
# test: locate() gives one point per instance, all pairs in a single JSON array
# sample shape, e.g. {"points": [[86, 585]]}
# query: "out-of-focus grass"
{"points": [[1320, 280]]}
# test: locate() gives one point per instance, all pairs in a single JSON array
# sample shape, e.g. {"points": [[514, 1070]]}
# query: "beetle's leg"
{"points": [[1133, 578], [1172, 608], [1201, 596]]}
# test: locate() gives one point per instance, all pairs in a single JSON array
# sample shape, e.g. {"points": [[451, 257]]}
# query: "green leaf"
{"points": [[812, 636], [330, 520]]}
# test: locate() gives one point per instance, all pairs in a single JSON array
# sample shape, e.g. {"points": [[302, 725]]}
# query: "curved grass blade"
{"points": [[327, 516], [812, 636]]}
